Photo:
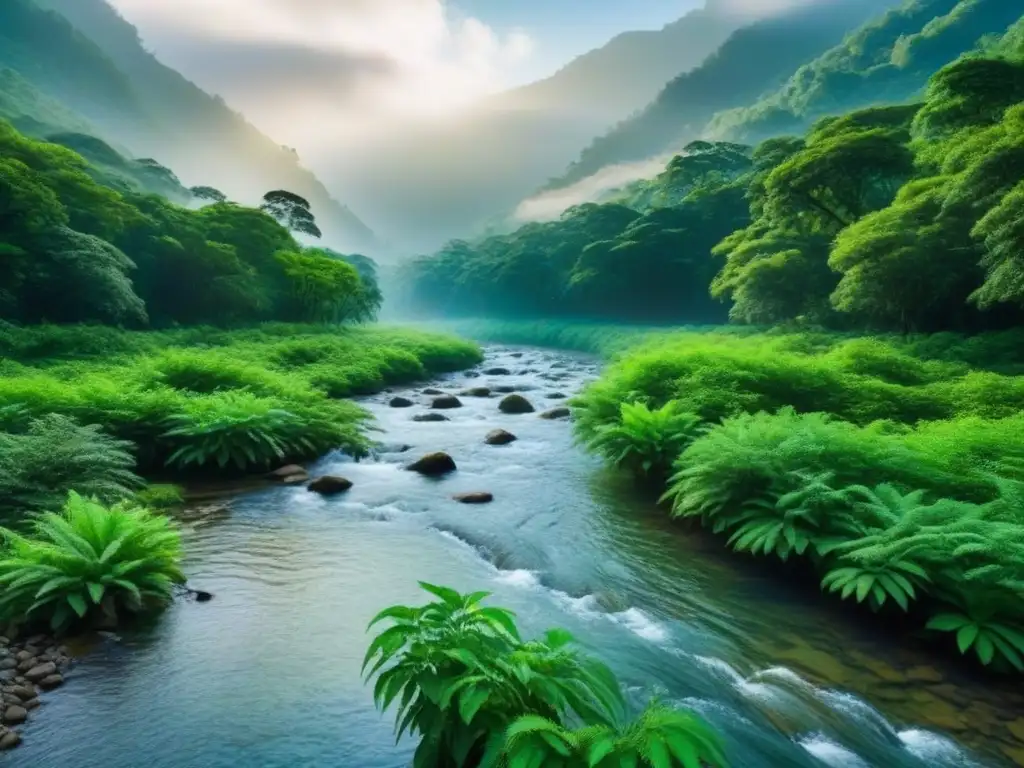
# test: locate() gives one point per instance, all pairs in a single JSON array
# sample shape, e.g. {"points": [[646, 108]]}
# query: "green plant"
{"points": [[55, 455], [160, 496], [476, 693], [644, 440], [877, 584], [88, 562], [983, 631]]}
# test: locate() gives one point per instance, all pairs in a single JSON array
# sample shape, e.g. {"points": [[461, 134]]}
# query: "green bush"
{"points": [[89, 562], [477, 695], [160, 496], [55, 455]]}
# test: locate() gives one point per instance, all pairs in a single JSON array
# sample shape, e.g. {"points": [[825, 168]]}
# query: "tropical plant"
{"points": [[645, 440], [89, 562], [899, 581], [477, 694], [979, 627], [160, 496]]}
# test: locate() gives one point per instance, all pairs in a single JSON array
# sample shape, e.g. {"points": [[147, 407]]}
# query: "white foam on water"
{"points": [[585, 607], [519, 578], [642, 625], [857, 709], [934, 749], [783, 675], [830, 753]]}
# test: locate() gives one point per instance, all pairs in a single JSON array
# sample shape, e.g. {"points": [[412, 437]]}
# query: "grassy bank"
{"points": [[893, 465], [87, 408]]}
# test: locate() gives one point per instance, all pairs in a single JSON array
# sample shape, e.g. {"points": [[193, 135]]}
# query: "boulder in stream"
{"points": [[516, 404], [556, 413], [10, 740], [329, 485], [504, 389], [433, 464], [476, 392], [41, 672], [430, 417], [401, 402], [288, 473], [15, 714], [474, 497], [555, 396], [446, 402], [497, 372], [500, 437], [432, 391]]}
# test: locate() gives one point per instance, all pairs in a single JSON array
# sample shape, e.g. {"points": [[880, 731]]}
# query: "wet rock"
{"points": [[559, 364], [4, 641], [446, 402], [8, 662], [10, 740], [38, 673], [432, 391], [24, 655], [475, 497], [28, 664], [515, 404], [51, 681], [286, 472], [434, 464], [202, 596], [328, 485], [924, 674], [524, 388], [430, 417], [24, 692], [295, 479], [504, 389], [472, 374], [14, 715], [500, 437], [7, 675], [1017, 728], [401, 402], [31, 704], [476, 392], [555, 396], [556, 413], [497, 372]]}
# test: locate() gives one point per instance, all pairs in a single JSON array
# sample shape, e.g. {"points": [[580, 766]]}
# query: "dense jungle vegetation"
{"points": [[831, 228]]}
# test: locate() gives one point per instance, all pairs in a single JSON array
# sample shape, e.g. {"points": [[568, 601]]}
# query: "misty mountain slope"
{"points": [[443, 180], [166, 116], [888, 60], [751, 62]]}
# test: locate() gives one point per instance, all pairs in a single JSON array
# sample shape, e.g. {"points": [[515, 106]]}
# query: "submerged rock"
{"points": [[516, 404], [446, 402], [433, 391], [497, 372], [430, 417], [556, 413], [15, 714], [504, 389], [475, 497], [328, 485], [472, 374], [500, 437], [434, 464], [476, 392], [287, 472], [555, 396], [401, 402]]}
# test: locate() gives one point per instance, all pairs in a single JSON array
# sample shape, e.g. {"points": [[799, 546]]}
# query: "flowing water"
{"points": [[267, 674]]}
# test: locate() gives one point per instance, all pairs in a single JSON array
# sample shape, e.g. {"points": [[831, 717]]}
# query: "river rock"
{"points": [[401, 402], [476, 392], [516, 355], [556, 413], [515, 404], [31, 704], [8, 662], [328, 485], [8, 675], [4, 641], [472, 374], [10, 740], [24, 655], [497, 372], [51, 681], [446, 402], [29, 663], [434, 464], [288, 472], [40, 672], [24, 692], [555, 396], [432, 391], [14, 715], [475, 497], [430, 417], [500, 437]]}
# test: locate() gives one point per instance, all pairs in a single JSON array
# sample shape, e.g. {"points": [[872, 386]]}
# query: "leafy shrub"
{"points": [[160, 496], [89, 562], [478, 695], [645, 441], [55, 455]]}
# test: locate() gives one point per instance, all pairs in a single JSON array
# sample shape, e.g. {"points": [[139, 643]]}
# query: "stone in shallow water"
{"points": [[40, 672], [556, 413], [15, 714], [475, 497], [434, 464], [51, 681], [10, 740], [476, 392], [401, 402], [24, 692], [430, 417], [555, 396], [446, 402], [287, 471], [328, 485], [516, 404], [500, 437], [432, 391], [497, 372]]}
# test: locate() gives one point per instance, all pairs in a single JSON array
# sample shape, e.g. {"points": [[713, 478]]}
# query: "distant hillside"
{"points": [[888, 60], [92, 60], [751, 62], [486, 161]]}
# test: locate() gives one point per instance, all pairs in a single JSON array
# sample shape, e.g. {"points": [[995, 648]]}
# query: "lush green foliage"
{"points": [[898, 477], [136, 258], [89, 562], [478, 695], [242, 400]]}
